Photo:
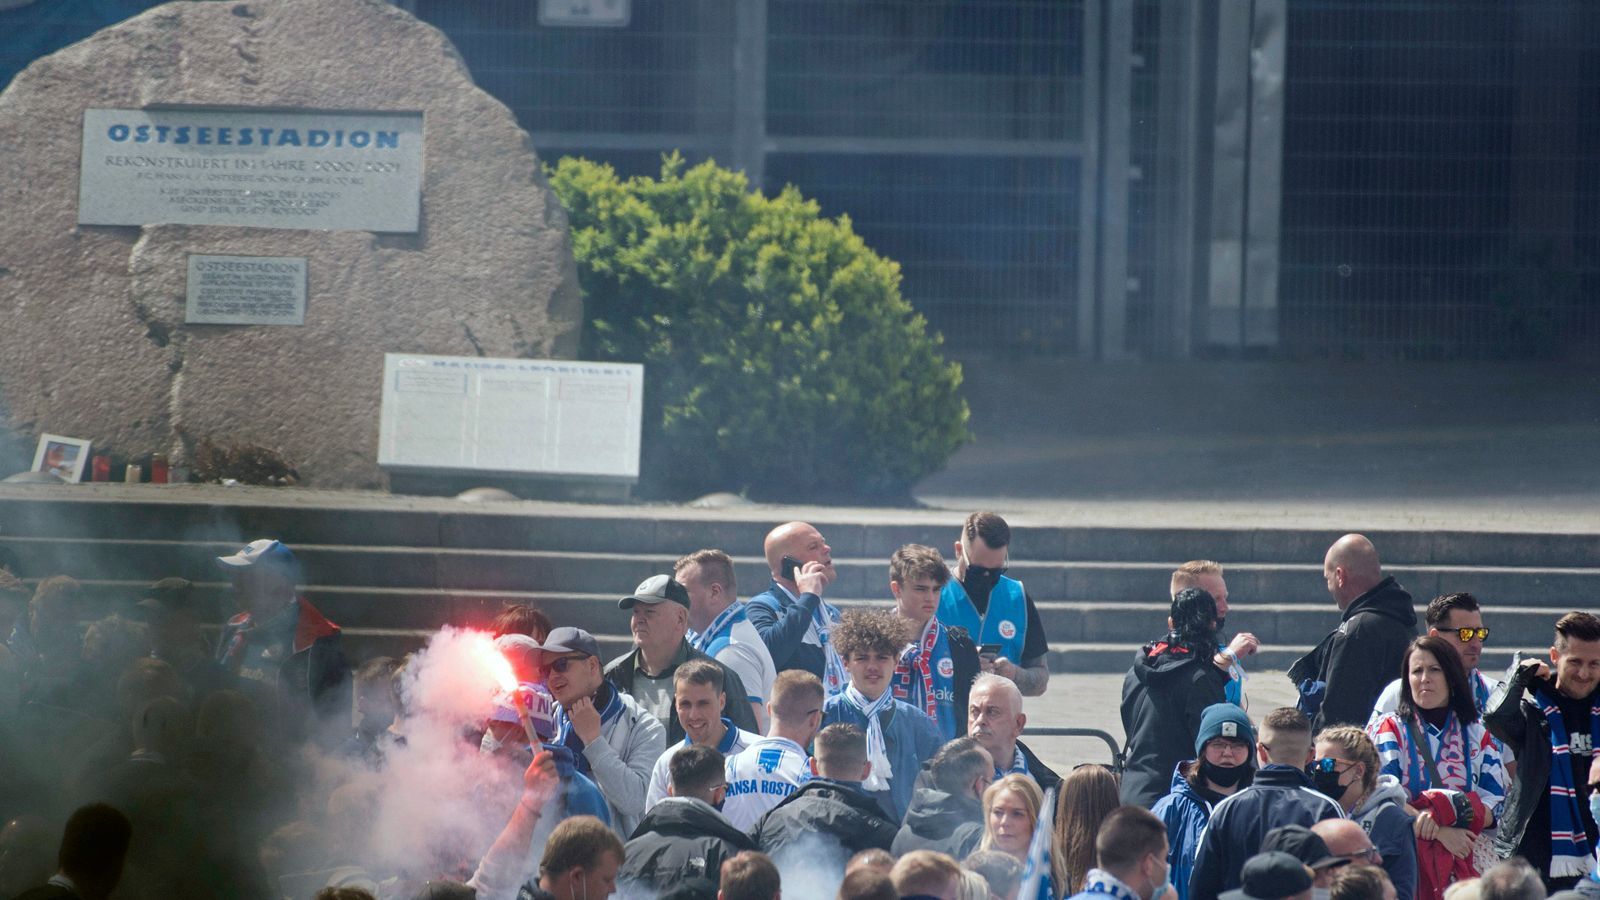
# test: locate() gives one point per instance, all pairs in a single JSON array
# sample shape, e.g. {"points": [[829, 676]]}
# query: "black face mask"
{"points": [[1328, 783], [1221, 621], [1222, 776], [981, 581]]}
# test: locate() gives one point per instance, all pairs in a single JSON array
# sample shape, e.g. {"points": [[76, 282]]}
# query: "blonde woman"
{"points": [[1010, 814]]}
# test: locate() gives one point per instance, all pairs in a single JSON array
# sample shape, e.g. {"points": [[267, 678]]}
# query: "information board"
{"points": [[519, 416], [246, 290], [202, 166]]}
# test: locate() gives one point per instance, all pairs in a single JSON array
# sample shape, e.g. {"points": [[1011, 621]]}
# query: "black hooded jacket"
{"points": [[940, 821], [825, 807], [1361, 656], [1164, 696], [679, 838]]}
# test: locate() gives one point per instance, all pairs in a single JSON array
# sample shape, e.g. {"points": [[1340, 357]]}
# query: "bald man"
{"points": [[792, 618], [1349, 668]]}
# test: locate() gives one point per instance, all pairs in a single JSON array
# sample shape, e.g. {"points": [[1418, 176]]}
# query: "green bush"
{"points": [[780, 359]]}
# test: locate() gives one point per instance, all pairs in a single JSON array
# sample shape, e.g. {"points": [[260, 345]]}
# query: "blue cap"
{"points": [[1224, 720]]}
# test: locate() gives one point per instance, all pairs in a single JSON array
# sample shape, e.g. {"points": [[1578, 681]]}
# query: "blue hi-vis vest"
{"points": [[1006, 622]]}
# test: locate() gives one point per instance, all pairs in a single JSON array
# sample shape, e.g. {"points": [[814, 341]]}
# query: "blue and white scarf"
{"points": [[569, 738], [877, 747], [818, 633], [1019, 766], [1099, 881], [1569, 844], [720, 631]]}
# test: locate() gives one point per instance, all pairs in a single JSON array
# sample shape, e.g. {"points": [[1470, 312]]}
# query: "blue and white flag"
{"points": [[1036, 874]]}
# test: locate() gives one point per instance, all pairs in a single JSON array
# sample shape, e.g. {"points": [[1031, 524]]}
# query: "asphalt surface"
{"points": [[1093, 701], [1462, 445]]}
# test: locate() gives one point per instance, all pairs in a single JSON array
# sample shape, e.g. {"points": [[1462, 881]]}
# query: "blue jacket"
{"points": [[910, 736], [1280, 795], [782, 624], [1185, 814]]}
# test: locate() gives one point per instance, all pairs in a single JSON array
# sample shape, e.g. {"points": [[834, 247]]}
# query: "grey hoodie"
{"points": [[1388, 826]]}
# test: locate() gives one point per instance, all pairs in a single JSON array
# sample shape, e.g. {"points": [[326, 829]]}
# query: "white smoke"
{"points": [[437, 804], [811, 868]]}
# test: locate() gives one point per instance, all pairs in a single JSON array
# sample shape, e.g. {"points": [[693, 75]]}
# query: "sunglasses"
{"points": [[560, 666], [1328, 764], [1467, 634]]}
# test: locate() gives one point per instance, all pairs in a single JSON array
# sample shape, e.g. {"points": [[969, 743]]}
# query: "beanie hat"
{"points": [[1224, 720]]}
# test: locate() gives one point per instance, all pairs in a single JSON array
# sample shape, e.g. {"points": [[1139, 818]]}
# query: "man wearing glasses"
{"points": [[1347, 841], [997, 611], [615, 741], [1457, 619]]}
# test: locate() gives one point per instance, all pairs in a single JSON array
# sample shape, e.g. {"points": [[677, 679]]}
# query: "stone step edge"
{"points": [[851, 562]]}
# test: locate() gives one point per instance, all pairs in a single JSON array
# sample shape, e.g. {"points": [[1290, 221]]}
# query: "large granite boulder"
{"points": [[93, 341]]}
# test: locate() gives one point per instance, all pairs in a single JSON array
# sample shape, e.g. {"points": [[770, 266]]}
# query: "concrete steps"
{"points": [[392, 569]]}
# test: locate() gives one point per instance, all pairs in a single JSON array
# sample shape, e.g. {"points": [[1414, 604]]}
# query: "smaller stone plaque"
{"points": [[246, 290]]}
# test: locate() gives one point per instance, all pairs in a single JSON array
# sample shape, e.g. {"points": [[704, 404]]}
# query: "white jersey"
{"points": [[733, 741], [760, 777], [734, 642], [1389, 702]]}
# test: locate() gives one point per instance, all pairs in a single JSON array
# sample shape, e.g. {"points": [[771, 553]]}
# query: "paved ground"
{"points": [[1506, 446], [1092, 701]]}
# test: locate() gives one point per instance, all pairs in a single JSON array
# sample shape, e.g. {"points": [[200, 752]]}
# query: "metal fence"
{"points": [[1110, 178], [1440, 182]]}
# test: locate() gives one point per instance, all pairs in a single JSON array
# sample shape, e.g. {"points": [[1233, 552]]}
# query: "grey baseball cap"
{"points": [[657, 589]]}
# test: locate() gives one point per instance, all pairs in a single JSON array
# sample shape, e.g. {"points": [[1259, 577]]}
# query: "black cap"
{"points": [[1303, 844], [1273, 875], [173, 595]]}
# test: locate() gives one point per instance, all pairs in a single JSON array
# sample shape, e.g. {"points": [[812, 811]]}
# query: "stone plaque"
{"points": [[246, 290], [522, 416], [199, 166]]}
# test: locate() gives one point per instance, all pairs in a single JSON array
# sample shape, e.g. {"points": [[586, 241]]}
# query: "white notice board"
{"points": [[521, 416]]}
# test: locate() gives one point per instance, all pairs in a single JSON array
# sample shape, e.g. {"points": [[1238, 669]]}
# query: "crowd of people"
{"points": [[779, 746]]}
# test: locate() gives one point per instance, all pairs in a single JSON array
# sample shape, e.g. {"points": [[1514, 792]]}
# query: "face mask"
{"points": [[1594, 805], [1221, 621], [1165, 888], [1222, 776], [980, 582], [1321, 893], [1328, 783], [489, 746]]}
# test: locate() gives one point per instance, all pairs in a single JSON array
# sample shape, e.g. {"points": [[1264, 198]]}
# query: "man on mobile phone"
{"points": [[791, 616], [995, 609]]}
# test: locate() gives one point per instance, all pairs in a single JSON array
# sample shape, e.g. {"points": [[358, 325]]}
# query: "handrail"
{"points": [[1117, 759]]}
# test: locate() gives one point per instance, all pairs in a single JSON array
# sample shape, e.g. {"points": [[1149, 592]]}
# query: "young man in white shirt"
{"points": [[767, 771]]}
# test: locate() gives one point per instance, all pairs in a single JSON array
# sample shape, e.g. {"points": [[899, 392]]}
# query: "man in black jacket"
{"points": [[93, 848], [1349, 668], [948, 817], [659, 620], [1517, 716], [683, 836], [1166, 693], [1281, 794], [829, 819]]}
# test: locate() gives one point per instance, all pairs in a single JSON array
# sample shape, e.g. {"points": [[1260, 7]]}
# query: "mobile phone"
{"points": [[790, 567], [989, 650]]}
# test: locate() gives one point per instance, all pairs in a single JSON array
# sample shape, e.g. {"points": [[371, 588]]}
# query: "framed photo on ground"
{"points": [[62, 457]]}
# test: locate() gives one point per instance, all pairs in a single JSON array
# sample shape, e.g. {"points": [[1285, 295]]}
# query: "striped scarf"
{"points": [[1569, 844]]}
